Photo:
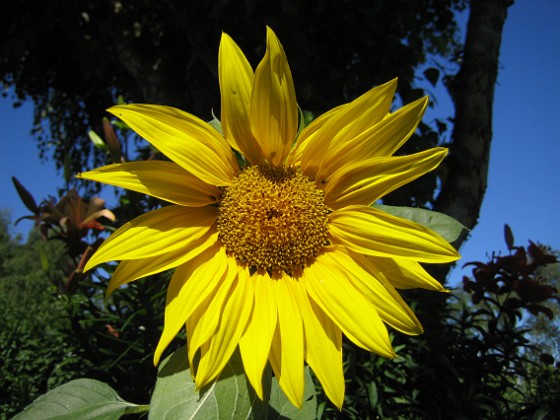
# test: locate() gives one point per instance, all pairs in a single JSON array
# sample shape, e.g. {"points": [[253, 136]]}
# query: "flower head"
{"points": [[282, 254]]}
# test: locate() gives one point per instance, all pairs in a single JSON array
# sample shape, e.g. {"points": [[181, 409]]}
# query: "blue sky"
{"points": [[525, 150]]}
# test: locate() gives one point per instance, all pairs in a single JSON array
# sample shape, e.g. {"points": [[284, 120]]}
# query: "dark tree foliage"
{"points": [[74, 58]]}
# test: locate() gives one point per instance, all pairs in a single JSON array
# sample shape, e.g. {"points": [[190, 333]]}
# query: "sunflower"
{"points": [[276, 248]]}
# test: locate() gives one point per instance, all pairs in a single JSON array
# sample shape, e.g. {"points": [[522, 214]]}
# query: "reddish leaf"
{"points": [[25, 196], [508, 236]]}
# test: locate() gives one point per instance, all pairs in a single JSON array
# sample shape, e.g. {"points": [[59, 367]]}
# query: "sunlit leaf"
{"points": [[79, 399], [444, 225], [97, 141], [175, 394]]}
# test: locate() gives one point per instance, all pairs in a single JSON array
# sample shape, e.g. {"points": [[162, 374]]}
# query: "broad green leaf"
{"points": [[175, 395], [79, 399], [446, 226], [281, 408]]}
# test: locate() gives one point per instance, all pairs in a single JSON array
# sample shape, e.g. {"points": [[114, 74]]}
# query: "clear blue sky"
{"points": [[524, 175]]}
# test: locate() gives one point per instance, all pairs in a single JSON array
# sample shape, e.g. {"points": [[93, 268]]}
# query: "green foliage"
{"points": [[85, 399], [175, 395], [376, 387], [543, 400], [36, 348], [59, 327]]}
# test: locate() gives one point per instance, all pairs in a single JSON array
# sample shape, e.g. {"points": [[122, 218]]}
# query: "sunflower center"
{"points": [[273, 218]]}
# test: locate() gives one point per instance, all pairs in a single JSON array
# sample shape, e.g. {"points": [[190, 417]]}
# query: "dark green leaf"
{"points": [[79, 399], [446, 226], [175, 394]]}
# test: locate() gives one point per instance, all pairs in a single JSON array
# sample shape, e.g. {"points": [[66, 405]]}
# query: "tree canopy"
{"points": [[74, 59]]}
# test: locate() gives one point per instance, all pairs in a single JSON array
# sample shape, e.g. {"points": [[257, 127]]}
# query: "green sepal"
{"points": [[216, 124]]}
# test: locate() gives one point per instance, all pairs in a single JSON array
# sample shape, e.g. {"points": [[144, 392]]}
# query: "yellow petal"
{"points": [[286, 353], [236, 79], [364, 182], [346, 307], [130, 270], [343, 125], [255, 344], [389, 304], [323, 346], [165, 180], [183, 138], [233, 320], [202, 325], [191, 285], [274, 113], [305, 139], [392, 134], [402, 273], [370, 231], [381, 139], [155, 233]]}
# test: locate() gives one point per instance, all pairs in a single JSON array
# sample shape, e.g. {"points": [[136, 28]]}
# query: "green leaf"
{"points": [[97, 141], [79, 399], [446, 226], [175, 394], [281, 407]]}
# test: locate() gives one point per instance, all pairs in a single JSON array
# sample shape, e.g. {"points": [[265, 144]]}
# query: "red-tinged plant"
{"points": [[71, 220]]}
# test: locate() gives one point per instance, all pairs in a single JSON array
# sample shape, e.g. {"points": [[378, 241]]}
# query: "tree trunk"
{"points": [[465, 178], [472, 91]]}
